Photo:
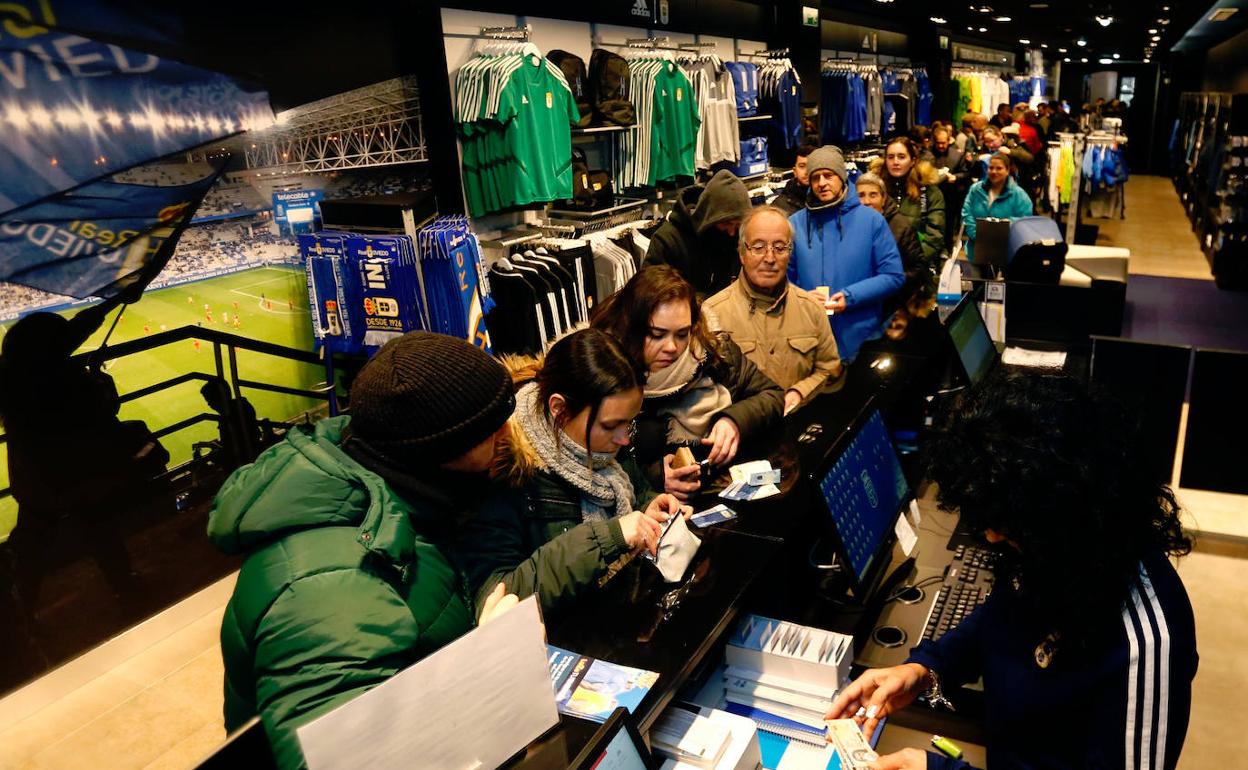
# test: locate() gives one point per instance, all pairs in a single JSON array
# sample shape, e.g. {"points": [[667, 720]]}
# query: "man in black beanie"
{"points": [[344, 583]]}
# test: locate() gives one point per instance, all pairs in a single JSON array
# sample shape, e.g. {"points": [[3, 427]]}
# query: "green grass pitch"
{"points": [[270, 303]]}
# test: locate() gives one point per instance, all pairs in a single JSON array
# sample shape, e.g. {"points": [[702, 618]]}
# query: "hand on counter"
{"points": [[878, 693], [681, 483], [724, 439]]}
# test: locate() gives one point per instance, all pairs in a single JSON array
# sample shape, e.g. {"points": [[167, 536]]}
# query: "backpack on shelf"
{"points": [[591, 190], [608, 89], [573, 69]]}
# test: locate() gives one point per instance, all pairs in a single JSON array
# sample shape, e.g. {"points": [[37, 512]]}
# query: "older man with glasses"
{"points": [[782, 329]]}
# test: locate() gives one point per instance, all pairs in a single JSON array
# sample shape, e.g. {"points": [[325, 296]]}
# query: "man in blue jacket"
{"points": [[844, 254]]}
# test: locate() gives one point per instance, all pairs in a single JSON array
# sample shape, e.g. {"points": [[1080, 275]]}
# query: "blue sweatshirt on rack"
{"points": [[1123, 703], [847, 247]]}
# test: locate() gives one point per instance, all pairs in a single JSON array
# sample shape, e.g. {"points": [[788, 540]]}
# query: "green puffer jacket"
{"points": [[529, 533], [339, 590]]}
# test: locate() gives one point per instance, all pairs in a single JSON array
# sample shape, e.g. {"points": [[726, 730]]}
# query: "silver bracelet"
{"points": [[934, 696]]}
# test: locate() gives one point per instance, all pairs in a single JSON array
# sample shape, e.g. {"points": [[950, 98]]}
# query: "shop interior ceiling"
{"points": [[1221, 22], [1125, 30]]}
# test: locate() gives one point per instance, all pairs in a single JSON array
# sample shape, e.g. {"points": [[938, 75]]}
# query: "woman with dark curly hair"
{"points": [[1087, 645], [700, 389]]}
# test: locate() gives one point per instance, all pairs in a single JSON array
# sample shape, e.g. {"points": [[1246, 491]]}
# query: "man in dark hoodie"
{"points": [[699, 237], [792, 197], [345, 582], [844, 253]]}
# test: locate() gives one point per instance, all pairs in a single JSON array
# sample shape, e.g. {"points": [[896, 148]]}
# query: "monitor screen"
{"points": [[864, 491], [971, 341]]}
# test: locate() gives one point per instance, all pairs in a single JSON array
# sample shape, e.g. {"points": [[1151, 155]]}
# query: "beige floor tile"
{"points": [[173, 652], [191, 750], [36, 733], [199, 683], [135, 733], [1157, 232], [1216, 586]]}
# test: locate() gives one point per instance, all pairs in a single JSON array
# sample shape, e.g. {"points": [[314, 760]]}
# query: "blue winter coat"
{"points": [[847, 247], [1012, 203]]}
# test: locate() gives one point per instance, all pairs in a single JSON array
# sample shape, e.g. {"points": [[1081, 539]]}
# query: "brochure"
{"points": [[591, 689]]}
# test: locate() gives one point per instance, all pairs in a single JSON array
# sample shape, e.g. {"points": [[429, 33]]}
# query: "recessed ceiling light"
{"points": [[1024, 41], [938, 20], [1044, 45], [1165, 7], [983, 29], [1081, 42], [1156, 38], [1084, 60], [1104, 20], [1067, 59], [1152, 32], [1116, 56], [1061, 50], [1103, 60], [1163, 22], [1222, 14], [1001, 19]]}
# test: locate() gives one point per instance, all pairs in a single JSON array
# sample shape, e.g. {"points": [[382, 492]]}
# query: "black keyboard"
{"points": [[967, 585]]}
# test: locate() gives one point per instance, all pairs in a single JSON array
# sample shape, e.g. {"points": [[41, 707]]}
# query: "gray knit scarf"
{"points": [[605, 491], [691, 401]]}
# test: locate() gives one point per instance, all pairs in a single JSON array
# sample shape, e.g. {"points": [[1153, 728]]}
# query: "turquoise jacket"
{"points": [[1012, 203]]}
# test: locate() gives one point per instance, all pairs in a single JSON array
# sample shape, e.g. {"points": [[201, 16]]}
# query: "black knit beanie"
{"points": [[428, 398]]}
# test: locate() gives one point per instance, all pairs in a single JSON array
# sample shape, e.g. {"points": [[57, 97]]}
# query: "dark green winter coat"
{"points": [[529, 534], [339, 590]]}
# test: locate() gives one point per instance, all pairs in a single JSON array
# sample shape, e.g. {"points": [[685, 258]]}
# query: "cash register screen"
{"points": [[864, 492], [971, 340]]}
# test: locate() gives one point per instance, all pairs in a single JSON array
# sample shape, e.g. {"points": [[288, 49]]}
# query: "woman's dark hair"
{"points": [[584, 367], [1054, 467], [626, 314]]}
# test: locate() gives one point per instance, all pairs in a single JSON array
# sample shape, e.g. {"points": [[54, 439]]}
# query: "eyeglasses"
{"points": [[779, 249]]}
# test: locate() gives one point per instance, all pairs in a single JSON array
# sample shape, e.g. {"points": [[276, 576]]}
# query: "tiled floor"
{"points": [[1156, 230], [159, 704]]}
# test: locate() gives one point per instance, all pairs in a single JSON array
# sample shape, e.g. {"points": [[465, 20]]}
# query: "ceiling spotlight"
{"points": [[1061, 50], [1081, 42], [1084, 60], [1163, 22], [1104, 20], [1001, 19], [983, 29], [1067, 60], [1103, 60], [1156, 38], [1165, 7], [1024, 41], [938, 20], [1152, 32], [1116, 56], [1044, 45]]}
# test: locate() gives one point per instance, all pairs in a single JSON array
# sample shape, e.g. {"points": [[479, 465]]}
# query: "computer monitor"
{"points": [[864, 491], [971, 341], [992, 242], [616, 746]]}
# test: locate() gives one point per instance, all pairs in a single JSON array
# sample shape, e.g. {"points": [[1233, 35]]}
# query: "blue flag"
{"points": [[81, 99], [98, 239]]}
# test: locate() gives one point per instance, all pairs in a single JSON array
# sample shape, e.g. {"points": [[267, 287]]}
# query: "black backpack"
{"points": [[573, 68], [608, 89], [591, 190]]}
